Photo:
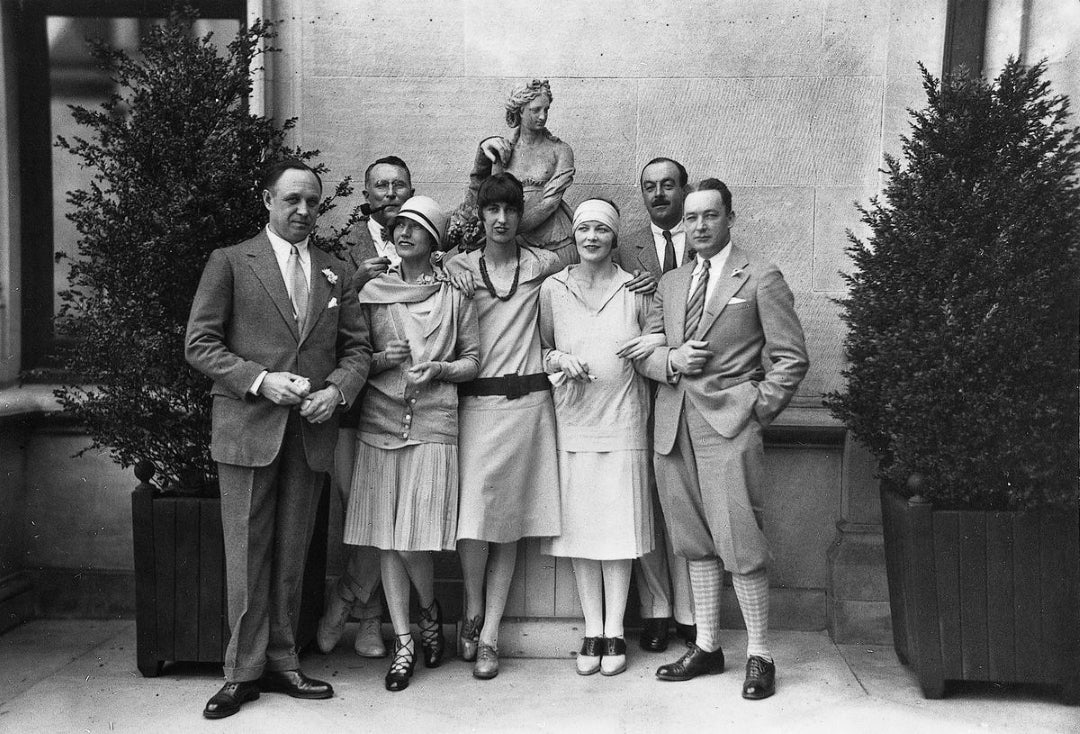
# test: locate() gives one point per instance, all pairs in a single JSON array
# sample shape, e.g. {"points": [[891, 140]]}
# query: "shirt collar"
{"points": [[282, 247], [659, 231], [717, 261], [376, 231]]}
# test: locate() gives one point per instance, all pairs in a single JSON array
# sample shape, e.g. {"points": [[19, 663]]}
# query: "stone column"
{"points": [[858, 592]]}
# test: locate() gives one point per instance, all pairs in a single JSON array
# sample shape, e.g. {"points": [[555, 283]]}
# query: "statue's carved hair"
{"points": [[521, 96]]}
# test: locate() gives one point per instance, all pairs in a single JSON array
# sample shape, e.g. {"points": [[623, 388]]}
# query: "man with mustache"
{"points": [[663, 581], [276, 326], [357, 593]]}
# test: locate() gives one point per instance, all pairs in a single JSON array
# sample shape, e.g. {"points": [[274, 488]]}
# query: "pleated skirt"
{"points": [[404, 499], [607, 512]]}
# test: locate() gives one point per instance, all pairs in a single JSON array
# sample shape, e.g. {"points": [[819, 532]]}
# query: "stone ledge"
{"points": [[860, 622], [23, 400]]}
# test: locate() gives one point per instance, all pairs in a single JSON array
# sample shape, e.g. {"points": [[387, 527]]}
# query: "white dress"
{"points": [[602, 425]]}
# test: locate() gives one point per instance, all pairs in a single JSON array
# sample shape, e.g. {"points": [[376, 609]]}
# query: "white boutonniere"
{"points": [[331, 276], [333, 303], [736, 272]]}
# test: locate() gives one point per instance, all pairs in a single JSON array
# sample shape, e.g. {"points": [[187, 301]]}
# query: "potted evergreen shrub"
{"points": [[963, 313], [176, 159]]}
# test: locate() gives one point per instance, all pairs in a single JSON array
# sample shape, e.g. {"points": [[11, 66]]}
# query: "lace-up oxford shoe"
{"points": [[693, 663], [760, 678], [227, 701], [294, 683]]}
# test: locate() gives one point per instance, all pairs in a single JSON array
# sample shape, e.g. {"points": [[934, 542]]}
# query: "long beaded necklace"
{"points": [[491, 287]]}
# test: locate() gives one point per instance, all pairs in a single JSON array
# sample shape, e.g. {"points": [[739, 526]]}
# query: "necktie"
{"points": [[298, 288], [696, 304], [669, 251]]}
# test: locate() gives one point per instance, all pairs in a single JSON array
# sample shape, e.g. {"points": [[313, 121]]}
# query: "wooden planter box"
{"points": [[984, 596], [180, 603]]}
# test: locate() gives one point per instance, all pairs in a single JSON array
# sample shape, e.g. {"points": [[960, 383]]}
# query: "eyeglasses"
{"points": [[383, 186]]}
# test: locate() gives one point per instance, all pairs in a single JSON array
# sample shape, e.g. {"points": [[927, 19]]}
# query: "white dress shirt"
{"points": [[282, 250], [678, 239], [716, 266], [384, 248]]}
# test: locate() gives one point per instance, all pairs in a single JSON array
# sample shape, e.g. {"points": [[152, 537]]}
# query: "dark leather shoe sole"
{"points": [[694, 663], [652, 644], [297, 693], [654, 635], [688, 676], [759, 695], [760, 681], [226, 708], [397, 681], [308, 691]]}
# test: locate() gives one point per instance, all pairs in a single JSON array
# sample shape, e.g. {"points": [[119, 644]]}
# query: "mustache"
{"points": [[367, 210], [661, 200]]}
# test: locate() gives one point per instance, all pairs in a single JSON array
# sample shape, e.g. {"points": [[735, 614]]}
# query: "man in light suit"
{"points": [[663, 579], [276, 326], [726, 315], [387, 185]]}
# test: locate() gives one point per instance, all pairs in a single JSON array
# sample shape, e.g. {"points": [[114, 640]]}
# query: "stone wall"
{"points": [[791, 104]]}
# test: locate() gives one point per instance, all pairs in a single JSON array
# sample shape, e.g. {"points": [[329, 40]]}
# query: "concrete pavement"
{"points": [[80, 676]]}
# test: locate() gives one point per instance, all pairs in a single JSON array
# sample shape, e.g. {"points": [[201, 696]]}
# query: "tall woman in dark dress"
{"points": [[509, 473]]}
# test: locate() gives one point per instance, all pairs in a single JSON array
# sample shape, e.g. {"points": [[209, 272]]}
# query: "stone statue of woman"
{"points": [[544, 165]]}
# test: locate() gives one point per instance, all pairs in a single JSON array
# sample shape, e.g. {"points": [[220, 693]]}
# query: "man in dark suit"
{"points": [[726, 315], [276, 326], [355, 594], [663, 580]]}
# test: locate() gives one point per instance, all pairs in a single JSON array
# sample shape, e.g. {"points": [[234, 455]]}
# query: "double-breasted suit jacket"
{"points": [[242, 323], [758, 360]]}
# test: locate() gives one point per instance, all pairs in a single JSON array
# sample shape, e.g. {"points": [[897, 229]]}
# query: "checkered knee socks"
{"points": [[753, 592]]}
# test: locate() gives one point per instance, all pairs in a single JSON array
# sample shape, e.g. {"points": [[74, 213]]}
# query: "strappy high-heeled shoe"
{"points": [[401, 668], [432, 641], [469, 638]]}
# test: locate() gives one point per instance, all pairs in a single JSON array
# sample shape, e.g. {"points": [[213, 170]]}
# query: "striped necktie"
{"points": [[298, 288], [696, 304]]}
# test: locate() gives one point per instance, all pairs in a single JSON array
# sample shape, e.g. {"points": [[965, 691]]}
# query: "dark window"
{"points": [[55, 70]]}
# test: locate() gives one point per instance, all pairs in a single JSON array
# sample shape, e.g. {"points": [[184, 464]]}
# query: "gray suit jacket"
{"points": [[750, 316], [360, 246], [636, 251], [241, 323]]}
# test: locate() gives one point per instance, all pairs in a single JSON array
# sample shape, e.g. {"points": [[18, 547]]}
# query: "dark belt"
{"points": [[511, 386]]}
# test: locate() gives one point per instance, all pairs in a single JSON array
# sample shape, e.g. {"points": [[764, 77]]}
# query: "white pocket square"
{"points": [[735, 300], [333, 303]]}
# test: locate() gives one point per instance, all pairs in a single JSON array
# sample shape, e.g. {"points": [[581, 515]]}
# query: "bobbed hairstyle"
{"points": [[502, 188]]}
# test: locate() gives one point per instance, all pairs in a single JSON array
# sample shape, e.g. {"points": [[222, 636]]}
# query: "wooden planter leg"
{"points": [[142, 516], [921, 590], [149, 668]]}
